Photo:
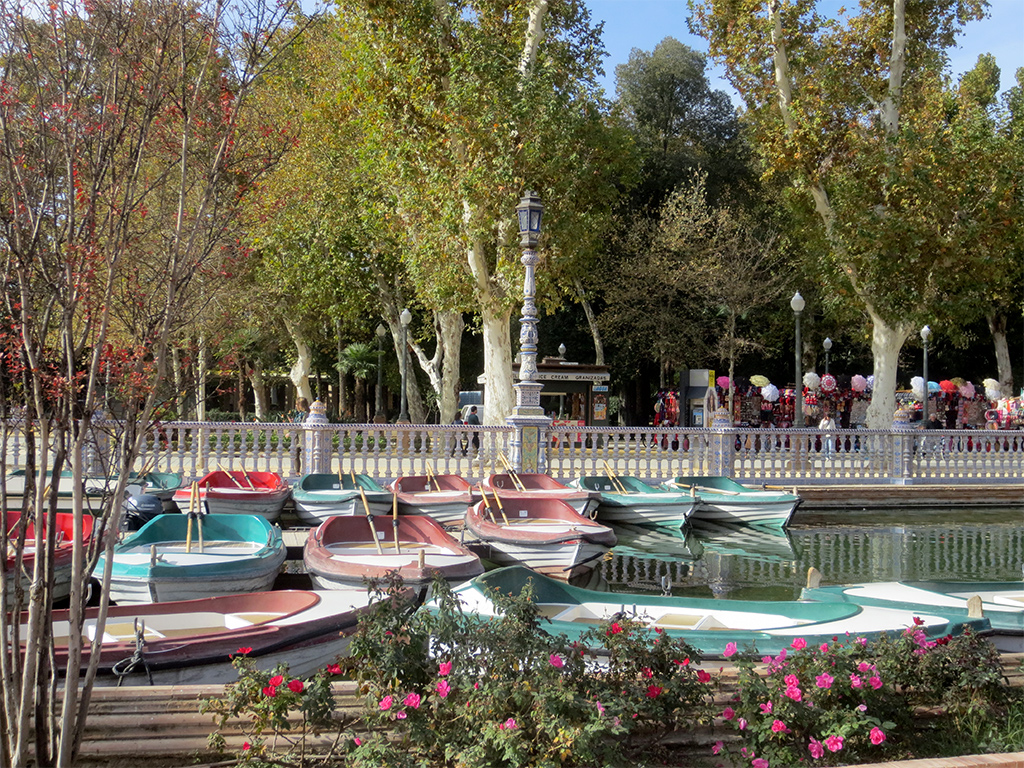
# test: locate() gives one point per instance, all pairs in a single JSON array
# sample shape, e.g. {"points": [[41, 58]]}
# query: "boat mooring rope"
{"points": [[125, 667]]}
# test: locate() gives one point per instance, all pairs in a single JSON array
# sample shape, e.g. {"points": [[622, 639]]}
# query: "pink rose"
{"points": [[270, 691], [730, 650], [779, 727], [823, 647], [276, 680], [865, 667], [877, 736], [816, 749], [717, 748], [798, 644], [334, 669], [243, 652], [444, 668], [794, 693], [758, 762], [834, 743], [728, 713], [412, 700], [443, 689], [742, 723], [653, 691], [385, 703], [824, 680], [855, 681], [400, 715], [509, 724], [875, 682], [791, 680], [703, 676], [556, 661], [296, 686]]}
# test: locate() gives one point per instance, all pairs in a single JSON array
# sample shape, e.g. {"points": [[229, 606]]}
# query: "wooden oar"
{"points": [[501, 507], [394, 522], [691, 488], [191, 514], [614, 477], [233, 478], [487, 504], [248, 479], [431, 476], [369, 517], [516, 481]]}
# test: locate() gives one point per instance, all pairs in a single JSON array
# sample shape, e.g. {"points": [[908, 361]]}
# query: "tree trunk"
{"points": [[359, 413], [886, 343], [595, 332], [340, 350], [179, 389], [242, 399], [997, 327], [201, 366], [450, 326], [258, 380], [299, 373]]}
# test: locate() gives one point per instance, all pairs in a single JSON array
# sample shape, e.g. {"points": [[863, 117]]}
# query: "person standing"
{"points": [[297, 416], [826, 425], [474, 419]]}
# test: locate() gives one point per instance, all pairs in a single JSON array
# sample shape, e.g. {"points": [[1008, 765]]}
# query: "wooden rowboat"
{"points": [[346, 551], [537, 485], [162, 562], [626, 499], [544, 534], [445, 498], [722, 499], [709, 624], [193, 641], [240, 493], [65, 534], [320, 496]]}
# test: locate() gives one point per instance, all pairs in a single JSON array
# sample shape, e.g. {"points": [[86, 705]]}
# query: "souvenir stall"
{"points": [[957, 402]]}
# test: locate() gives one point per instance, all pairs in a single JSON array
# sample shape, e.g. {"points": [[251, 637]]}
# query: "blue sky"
{"points": [[643, 24]]}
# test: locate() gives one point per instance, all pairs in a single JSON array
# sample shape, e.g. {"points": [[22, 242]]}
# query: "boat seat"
{"points": [[551, 610], [688, 621]]}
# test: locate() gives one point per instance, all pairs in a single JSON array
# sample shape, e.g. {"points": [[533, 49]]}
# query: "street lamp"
{"points": [[406, 318], [529, 212], [827, 344], [381, 416], [797, 303], [926, 333]]}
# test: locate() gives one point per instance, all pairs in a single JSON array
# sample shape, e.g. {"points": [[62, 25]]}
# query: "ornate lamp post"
{"points": [[527, 416], [381, 416], [827, 344], [797, 304], [406, 318], [926, 333]]}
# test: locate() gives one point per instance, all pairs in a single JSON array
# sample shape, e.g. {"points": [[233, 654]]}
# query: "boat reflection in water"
{"points": [[846, 546]]}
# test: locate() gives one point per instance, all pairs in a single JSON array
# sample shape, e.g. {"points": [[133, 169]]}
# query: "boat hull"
{"points": [[443, 498], [641, 503], [343, 552], [239, 493], [320, 496], [721, 499], [709, 625], [162, 562], [1002, 602], [546, 535], [194, 641]]}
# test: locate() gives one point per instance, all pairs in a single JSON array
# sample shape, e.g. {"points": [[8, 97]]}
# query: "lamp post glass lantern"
{"points": [[406, 318], [926, 333], [381, 416], [797, 304], [827, 344]]}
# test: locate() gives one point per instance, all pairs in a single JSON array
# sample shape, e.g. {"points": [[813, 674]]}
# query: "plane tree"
{"points": [[851, 111]]}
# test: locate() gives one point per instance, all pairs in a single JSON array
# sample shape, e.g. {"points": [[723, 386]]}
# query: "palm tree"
{"points": [[359, 360]]}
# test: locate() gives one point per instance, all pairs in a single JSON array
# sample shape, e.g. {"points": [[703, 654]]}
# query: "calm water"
{"points": [[846, 546]]}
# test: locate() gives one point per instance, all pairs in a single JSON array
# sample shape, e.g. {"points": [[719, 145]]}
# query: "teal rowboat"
{"points": [[320, 496], [1001, 602], [707, 624], [625, 499], [230, 554], [722, 499]]}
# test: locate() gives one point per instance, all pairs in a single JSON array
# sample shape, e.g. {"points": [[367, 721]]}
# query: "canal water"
{"points": [[738, 562]]}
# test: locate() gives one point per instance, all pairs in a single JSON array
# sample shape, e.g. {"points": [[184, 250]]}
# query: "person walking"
{"points": [[826, 425], [472, 419], [459, 437]]}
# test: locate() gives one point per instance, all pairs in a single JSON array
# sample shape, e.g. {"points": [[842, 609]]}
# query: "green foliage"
{"points": [[849, 701]]}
